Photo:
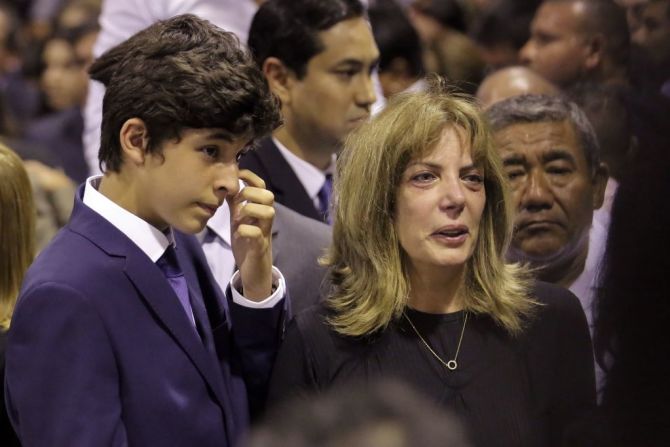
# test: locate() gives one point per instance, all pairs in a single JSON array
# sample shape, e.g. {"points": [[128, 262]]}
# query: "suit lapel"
{"points": [[287, 187], [152, 287]]}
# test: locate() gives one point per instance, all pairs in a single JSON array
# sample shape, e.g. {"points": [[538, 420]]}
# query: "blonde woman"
{"points": [[17, 241], [421, 291]]}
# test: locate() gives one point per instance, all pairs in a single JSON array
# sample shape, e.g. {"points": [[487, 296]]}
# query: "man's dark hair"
{"points": [[396, 37], [288, 29], [449, 13], [607, 108], [177, 74], [11, 39], [507, 22]]}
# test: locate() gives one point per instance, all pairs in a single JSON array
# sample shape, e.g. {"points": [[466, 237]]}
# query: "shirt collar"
{"points": [[310, 176], [152, 241], [219, 224]]}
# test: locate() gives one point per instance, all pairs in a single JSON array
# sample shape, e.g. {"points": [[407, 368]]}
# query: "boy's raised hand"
{"points": [[251, 216]]}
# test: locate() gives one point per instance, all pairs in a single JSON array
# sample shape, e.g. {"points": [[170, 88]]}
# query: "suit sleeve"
{"points": [[257, 334], [293, 373], [574, 380], [62, 385]]}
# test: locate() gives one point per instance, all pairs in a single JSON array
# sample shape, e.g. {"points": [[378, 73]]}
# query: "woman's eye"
{"points": [[474, 178], [423, 177]]}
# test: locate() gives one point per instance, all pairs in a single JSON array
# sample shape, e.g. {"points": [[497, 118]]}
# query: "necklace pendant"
{"points": [[452, 365]]}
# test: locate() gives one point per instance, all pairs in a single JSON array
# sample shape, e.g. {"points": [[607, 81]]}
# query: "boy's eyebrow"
{"points": [[219, 135]]}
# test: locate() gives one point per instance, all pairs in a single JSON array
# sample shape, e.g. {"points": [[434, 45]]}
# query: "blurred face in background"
{"points": [[557, 48], [64, 80], [651, 33]]}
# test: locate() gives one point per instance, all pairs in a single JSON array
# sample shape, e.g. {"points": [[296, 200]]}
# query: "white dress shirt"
{"points": [[585, 286], [154, 242], [311, 177]]}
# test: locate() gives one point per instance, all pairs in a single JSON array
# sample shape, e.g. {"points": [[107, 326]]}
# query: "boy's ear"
{"points": [[279, 78], [134, 139]]}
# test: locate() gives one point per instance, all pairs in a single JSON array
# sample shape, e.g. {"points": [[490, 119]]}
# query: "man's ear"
{"points": [[595, 46], [134, 140], [600, 178], [279, 77]]}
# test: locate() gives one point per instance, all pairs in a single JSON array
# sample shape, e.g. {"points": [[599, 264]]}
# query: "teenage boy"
{"points": [[119, 336]]}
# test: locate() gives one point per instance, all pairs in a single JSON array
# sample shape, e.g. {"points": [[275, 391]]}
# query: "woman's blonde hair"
{"points": [[17, 230], [368, 272]]}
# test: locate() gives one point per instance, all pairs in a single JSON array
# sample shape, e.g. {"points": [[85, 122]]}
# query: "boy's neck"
{"points": [[121, 189]]}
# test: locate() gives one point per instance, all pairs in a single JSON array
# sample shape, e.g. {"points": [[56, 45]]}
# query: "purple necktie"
{"points": [[324, 198], [169, 265]]}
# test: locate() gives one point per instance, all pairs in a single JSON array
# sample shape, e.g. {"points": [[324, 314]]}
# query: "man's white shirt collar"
{"points": [[219, 224], [311, 177], [148, 238]]}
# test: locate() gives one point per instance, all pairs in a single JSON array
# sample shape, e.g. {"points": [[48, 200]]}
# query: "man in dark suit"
{"points": [[318, 57], [120, 335]]}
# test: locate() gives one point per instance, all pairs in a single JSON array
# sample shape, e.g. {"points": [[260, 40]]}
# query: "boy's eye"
{"points": [[211, 151]]}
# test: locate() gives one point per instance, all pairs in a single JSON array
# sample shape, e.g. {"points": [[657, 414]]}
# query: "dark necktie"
{"points": [[324, 198], [169, 265]]}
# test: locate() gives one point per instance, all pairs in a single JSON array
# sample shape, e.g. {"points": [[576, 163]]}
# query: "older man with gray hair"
{"points": [[550, 153]]}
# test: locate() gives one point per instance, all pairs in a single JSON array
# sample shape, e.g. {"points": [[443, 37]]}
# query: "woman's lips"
{"points": [[451, 236]]}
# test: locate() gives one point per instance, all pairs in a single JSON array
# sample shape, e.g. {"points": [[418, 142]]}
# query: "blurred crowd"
{"points": [[603, 66], [613, 58]]}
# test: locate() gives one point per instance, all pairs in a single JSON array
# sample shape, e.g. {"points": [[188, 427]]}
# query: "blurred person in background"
{"points": [[17, 248], [64, 81], [400, 52], [512, 81], [632, 307], [501, 30], [386, 413], [578, 40], [651, 47], [442, 26], [21, 96]]}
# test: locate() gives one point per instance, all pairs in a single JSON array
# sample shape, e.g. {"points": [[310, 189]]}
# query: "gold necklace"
{"points": [[452, 364]]}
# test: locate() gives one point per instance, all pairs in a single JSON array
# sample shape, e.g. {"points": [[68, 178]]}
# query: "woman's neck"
{"points": [[437, 291]]}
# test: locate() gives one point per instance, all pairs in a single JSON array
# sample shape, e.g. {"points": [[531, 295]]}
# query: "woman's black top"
{"points": [[523, 391]]}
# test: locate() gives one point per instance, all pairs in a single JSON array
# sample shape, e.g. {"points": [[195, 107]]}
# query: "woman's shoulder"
{"points": [[315, 331]]}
